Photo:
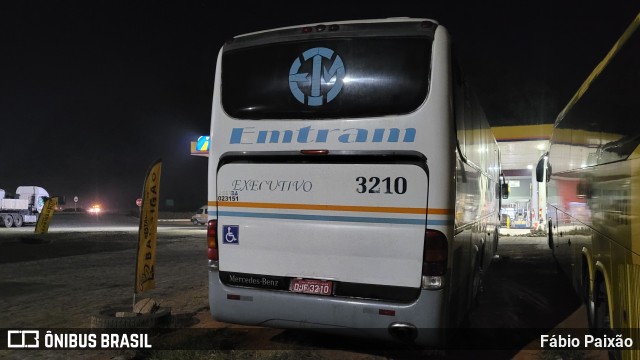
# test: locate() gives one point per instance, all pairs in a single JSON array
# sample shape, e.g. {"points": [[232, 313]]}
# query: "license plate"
{"points": [[311, 286]]}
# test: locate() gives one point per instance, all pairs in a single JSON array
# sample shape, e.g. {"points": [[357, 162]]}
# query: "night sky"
{"points": [[92, 92]]}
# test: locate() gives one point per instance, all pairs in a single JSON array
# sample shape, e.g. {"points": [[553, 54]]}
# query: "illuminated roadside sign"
{"points": [[202, 144], [200, 147]]}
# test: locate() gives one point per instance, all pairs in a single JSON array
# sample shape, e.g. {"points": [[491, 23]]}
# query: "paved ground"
{"points": [[86, 265]]}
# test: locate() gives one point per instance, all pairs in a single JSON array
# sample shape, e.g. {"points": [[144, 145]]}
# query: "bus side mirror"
{"points": [[504, 187], [543, 170], [540, 170]]}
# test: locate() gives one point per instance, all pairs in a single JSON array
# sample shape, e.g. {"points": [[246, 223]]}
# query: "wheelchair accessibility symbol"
{"points": [[231, 234]]}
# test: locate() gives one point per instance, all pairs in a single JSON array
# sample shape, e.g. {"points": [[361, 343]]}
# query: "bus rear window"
{"points": [[327, 78]]}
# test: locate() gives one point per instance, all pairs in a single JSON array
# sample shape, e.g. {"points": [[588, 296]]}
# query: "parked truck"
{"points": [[22, 208]]}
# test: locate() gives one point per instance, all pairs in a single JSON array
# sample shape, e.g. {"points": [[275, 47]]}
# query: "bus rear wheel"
{"points": [[476, 278], [587, 297], [601, 318]]}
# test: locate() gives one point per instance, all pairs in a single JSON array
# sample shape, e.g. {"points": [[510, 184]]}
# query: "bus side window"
{"points": [[543, 169], [458, 106]]}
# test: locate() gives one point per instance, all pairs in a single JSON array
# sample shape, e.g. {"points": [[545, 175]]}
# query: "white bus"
{"points": [[593, 174], [353, 181]]}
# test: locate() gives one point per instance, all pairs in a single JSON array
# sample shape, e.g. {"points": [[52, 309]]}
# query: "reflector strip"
{"points": [[386, 312], [386, 209], [357, 219], [239, 297]]}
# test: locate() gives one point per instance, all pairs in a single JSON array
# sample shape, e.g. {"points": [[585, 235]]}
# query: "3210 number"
{"points": [[375, 185]]}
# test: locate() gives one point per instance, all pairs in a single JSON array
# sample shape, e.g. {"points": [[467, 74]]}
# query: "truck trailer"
{"points": [[24, 207]]}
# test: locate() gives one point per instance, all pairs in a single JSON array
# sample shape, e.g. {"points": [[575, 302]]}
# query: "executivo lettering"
{"points": [[308, 134]]}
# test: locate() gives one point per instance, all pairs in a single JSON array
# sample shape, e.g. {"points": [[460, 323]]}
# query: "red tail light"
{"points": [[436, 250], [212, 239]]}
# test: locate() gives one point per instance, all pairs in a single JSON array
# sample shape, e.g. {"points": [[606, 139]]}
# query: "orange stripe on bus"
{"points": [[386, 209]]}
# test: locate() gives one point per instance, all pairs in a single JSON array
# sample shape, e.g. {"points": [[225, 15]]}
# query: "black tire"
{"points": [[496, 240], [602, 323], [17, 220], [195, 222], [7, 220], [587, 297], [476, 279], [106, 319], [585, 285], [601, 319]]}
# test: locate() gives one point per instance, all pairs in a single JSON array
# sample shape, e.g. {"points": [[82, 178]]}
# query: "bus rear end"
{"points": [[319, 183]]}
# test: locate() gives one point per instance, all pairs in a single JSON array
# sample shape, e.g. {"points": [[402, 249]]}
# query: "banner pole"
{"points": [[144, 278], [44, 218]]}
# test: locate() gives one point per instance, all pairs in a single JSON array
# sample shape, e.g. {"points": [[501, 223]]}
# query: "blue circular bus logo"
{"points": [[326, 78]]}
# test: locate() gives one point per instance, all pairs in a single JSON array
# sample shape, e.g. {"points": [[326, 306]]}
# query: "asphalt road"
{"points": [[79, 222], [86, 263]]}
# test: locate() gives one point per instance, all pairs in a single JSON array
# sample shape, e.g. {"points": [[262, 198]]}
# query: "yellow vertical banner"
{"points": [[147, 231], [44, 219]]}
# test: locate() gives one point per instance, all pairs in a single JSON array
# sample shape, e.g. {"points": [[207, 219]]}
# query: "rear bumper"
{"points": [[349, 316]]}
